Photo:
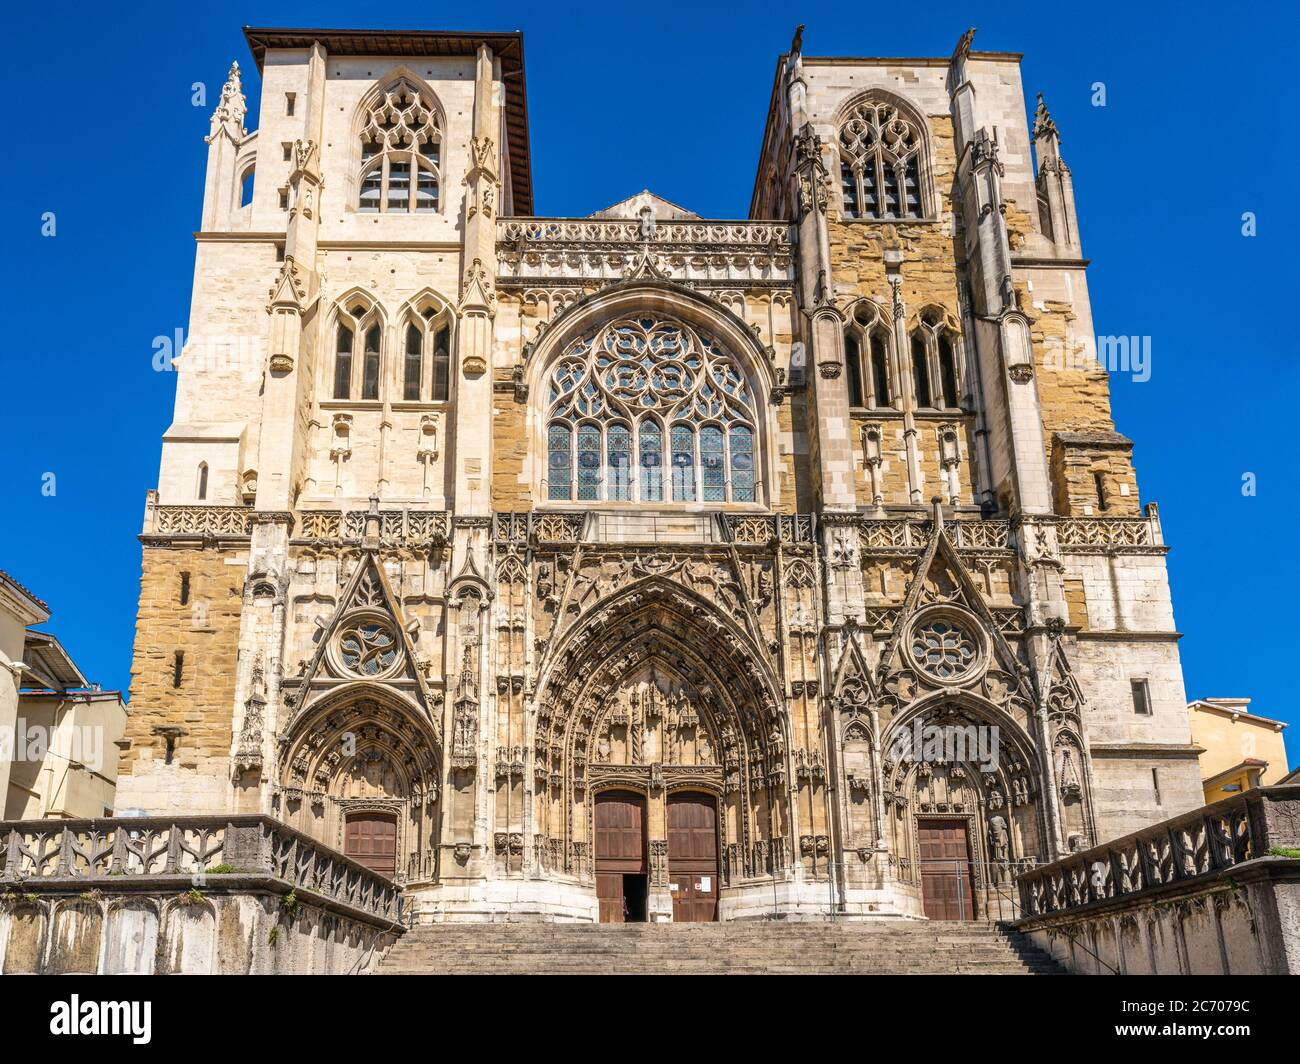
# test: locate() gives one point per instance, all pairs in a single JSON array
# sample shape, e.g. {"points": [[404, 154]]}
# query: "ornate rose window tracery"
{"points": [[946, 646], [367, 647]]}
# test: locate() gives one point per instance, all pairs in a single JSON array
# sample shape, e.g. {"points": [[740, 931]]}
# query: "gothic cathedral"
{"points": [[644, 566]]}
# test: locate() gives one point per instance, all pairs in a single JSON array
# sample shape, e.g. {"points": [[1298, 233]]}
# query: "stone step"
{"points": [[895, 947]]}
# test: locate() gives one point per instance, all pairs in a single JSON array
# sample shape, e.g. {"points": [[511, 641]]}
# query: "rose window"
{"points": [[368, 648], [943, 649]]}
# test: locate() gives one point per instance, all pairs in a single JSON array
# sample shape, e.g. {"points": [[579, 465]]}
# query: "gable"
{"points": [[661, 210]]}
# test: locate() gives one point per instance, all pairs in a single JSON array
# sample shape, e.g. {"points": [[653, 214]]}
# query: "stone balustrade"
{"points": [[1216, 889], [550, 251], [203, 521], [598, 231], [409, 527], [240, 893]]}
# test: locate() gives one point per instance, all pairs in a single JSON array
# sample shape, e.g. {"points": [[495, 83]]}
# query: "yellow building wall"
{"points": [[1229, 741]]}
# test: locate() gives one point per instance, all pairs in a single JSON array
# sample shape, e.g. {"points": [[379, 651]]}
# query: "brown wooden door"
{"points": [[371, 839], [947, 890], [693, 857], [609, 892], [620, 849]]}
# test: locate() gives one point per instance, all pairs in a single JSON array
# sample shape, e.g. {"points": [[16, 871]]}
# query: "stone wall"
{"points": [[197, 713]]}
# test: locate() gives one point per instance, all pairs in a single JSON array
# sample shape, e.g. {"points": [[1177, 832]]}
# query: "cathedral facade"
{"points": [[642, 565]]}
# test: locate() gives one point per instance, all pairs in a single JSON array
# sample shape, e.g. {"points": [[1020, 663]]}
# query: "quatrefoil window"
{"points": [[944, 649], [368, 648]]}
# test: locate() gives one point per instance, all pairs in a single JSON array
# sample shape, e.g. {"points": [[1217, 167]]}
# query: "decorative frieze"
{"points": [[553, 250]]}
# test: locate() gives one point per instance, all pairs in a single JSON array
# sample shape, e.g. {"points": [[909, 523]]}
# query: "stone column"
{"points": [[472, 452]]}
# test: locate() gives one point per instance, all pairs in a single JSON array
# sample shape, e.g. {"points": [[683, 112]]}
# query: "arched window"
{"points": [[246, 187], [426, 372], [358, 343], [880, 370], [880, 162], [413, 366], [866, 349], [853, 356], [634, 387], [370, 366], [651, 460], [559, 448], [947, 370], [343, 364], [201, 490], [936, 373], [920, 371], [401, 152]]}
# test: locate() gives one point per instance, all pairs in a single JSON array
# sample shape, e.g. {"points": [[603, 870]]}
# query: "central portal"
{"points": [[620, 857], [693, 857]]}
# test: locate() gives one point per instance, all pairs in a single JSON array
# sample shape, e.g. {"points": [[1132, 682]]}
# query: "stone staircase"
{"points": [[757, 948]]}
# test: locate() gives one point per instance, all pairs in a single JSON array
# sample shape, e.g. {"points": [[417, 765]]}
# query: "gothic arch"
{"points": [[913, 115], [427, 311], [383, 84], [342, 313], [364, 746], [360, 115], [345, 301], [996, 789], [975, 705], [657, 299], [654, 690]]}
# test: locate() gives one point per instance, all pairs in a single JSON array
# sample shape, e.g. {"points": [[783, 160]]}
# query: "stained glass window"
{"points": [[618, 388], [559, 446]]}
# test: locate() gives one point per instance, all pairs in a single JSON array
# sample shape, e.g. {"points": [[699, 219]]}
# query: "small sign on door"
{"points": [[705, 884]]}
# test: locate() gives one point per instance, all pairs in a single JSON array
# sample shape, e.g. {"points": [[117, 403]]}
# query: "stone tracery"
{"points": [[653, 691], [641, 396]]}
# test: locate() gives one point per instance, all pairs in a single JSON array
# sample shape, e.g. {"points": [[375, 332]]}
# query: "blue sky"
{"points": [[1199, 126]]}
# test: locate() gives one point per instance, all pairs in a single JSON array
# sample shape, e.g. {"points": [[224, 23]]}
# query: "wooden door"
{"points": [[371, 839], [947, 888], [693, 857], [620, 849]]}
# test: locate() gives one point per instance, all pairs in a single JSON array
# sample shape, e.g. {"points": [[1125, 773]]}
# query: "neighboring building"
{"points": [[1240, 750], [59, 737], [587, 567]]}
